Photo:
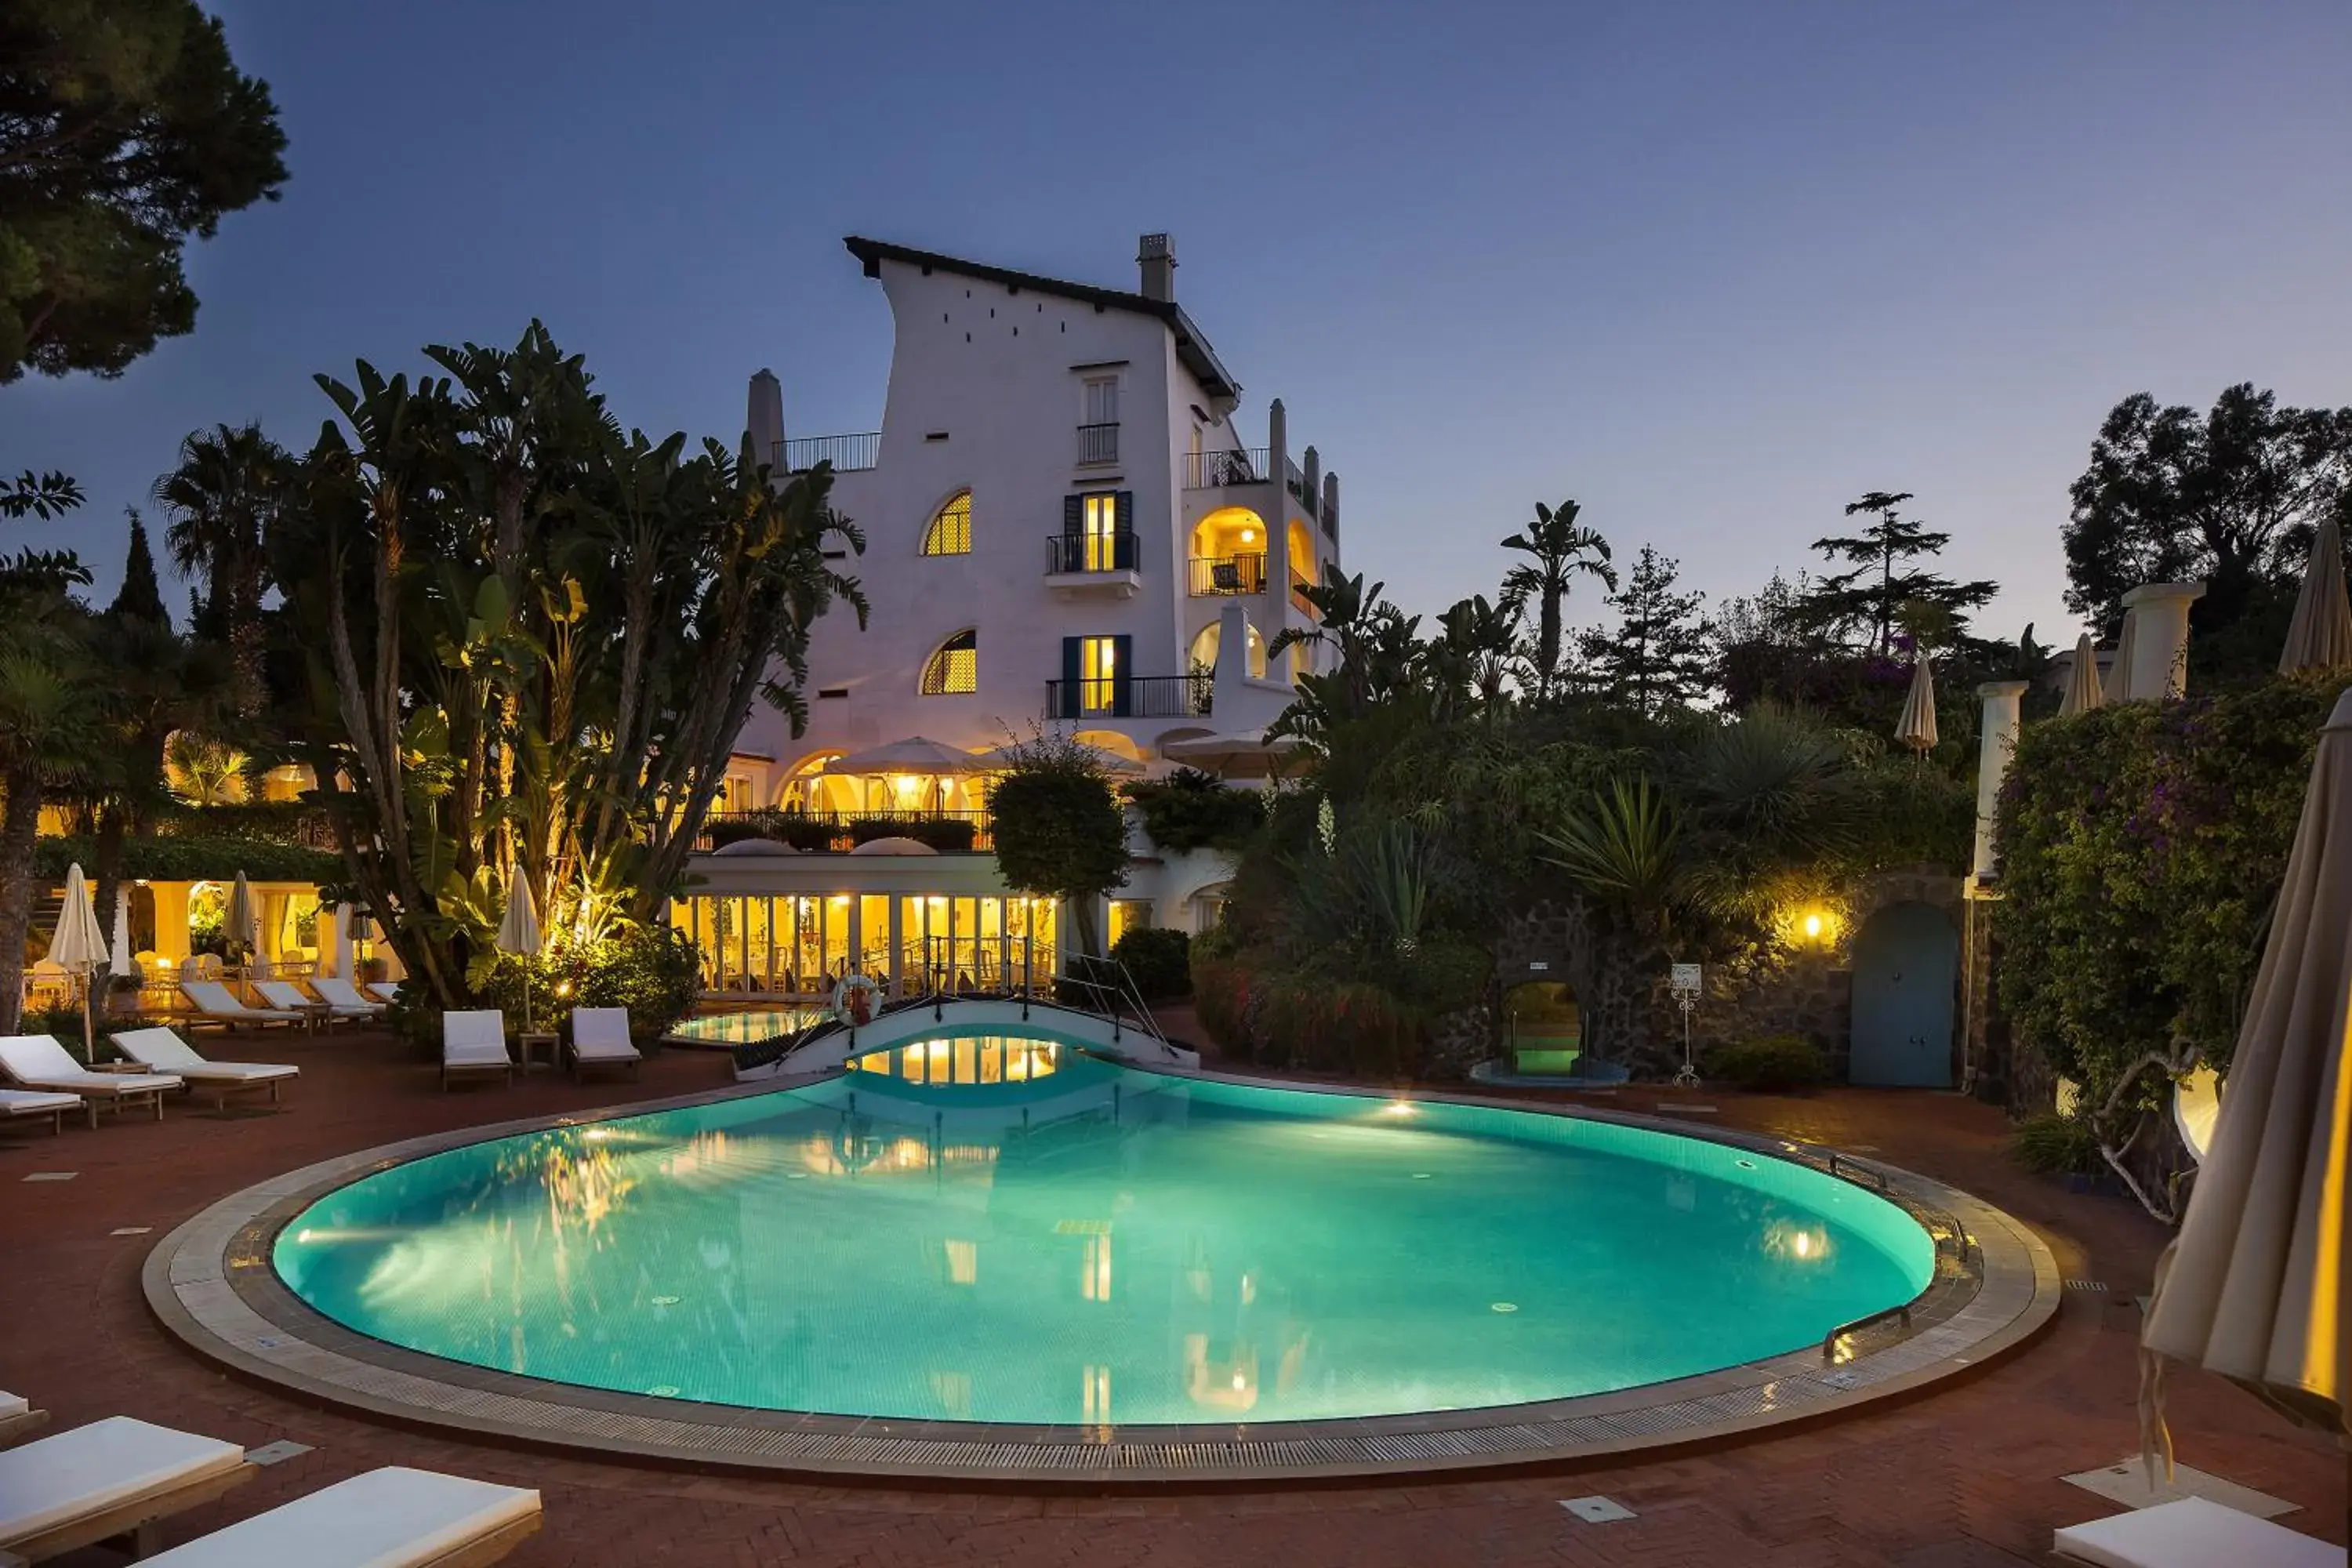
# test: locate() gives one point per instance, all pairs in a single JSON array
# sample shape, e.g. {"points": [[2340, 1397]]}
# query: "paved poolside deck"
{"points": [[1964, 1477]]}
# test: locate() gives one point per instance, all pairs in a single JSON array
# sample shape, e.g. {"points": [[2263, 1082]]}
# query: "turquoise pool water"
{"points": [[1010, 1231], [746, 1028]]}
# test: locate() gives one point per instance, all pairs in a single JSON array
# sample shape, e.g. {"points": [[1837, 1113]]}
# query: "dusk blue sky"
{"points": [[1713, 270]]}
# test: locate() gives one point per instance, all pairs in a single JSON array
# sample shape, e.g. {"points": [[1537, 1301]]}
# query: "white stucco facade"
{"points": [[1128, 557], [999, 383]]}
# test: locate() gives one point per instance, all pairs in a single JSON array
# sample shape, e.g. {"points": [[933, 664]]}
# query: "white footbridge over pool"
{"points": [[1091, 1004]]}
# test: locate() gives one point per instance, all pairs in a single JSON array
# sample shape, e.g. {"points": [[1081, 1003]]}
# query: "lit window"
{"points": [[1098, 673], [950, 532], [1101, 532], [955, 667]]}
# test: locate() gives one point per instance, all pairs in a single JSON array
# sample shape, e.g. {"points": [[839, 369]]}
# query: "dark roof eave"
{"points": [[1191, 347]]}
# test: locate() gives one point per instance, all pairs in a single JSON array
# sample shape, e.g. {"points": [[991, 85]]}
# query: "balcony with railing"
{"points": [[843, 452], [1129, 697], [1079, 566], [1299, 584], [1098, 444], [1214, 574], [1213, 471]]}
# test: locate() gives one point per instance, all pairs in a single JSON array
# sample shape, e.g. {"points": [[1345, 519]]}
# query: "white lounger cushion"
{"points": [[343, 996], [601, 1035], [281, 993], [391, 1517], [163, 1050], [35, 1103], [213, 1000], [387, 989], [59, 1479], [40, 1061], [12, 1404], [2193, 1533], [476, 1036]]}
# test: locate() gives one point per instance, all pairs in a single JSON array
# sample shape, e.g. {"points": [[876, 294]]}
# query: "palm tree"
{"points": [[1559, 550], [221, 498]]}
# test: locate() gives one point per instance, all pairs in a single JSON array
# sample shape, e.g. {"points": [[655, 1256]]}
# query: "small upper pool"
{"points": [[993, 1229]]}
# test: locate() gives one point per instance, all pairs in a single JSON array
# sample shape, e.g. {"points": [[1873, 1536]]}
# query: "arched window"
{"points": [[1204, 650], [955, 667], [950, 529]]}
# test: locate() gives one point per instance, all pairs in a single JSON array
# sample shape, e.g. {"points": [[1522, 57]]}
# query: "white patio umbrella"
{"points": [[519, 930], [2320, 636], [915, 754], [2084, 692], [1916, 727], [1111, 762], [76, 944], [2258, 1284], [238, 923], [2122, 665], [1246, 753]]}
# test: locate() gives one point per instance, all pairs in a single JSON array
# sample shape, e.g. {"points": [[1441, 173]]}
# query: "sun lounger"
{"points": [[18, 1419], [385, 990], [2191, 1532], [15, 1102], [115, 1476], [213, 1003], [391, 1518], [600, 1037], [37, 1062], [285, 996], [475, 1042], [344, 999], [164, 1052]]}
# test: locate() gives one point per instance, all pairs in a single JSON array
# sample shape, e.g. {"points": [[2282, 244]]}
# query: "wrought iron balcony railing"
{"points": [[1099, 442], [1129, 697], [1228, 574], [1207, 471], [1113, 552], [843, 452]]}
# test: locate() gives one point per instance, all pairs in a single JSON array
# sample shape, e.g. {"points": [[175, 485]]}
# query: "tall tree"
{"points": [[228, 483], [2230, 497], [1660, 655], [531, 640], [1558, 551], [1059, 828], [1869, 597], [125, 131]]}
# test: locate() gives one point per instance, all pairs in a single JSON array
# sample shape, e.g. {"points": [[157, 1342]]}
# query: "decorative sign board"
{"points": [[1685, 982]]}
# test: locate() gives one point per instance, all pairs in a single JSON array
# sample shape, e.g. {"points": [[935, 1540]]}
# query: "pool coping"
{"points": [[210, 1283]]}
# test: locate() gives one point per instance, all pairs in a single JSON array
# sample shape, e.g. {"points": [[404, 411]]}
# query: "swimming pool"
{"points": [[745, 1029], [1007, 1230]]}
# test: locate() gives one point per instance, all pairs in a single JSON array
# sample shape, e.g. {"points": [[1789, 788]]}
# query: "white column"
{"points": [[1996, 739], [2156, 622], [1231, 669]]}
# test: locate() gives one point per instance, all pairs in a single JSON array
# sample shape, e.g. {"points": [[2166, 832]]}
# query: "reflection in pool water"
{"points": [[746, 1028], [932, 1236]]}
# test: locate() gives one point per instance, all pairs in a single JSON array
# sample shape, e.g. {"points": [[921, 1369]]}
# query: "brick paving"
{"points": [[1962, 1478]]}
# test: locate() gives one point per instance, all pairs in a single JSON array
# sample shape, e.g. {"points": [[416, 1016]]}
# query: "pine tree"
{"points": [[1870, 599], [1661, 654], [142, 595]]}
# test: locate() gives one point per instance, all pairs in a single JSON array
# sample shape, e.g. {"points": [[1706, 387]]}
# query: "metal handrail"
{"points": [[863, 450], [1068, 554], [1229, 465], [1829, 1340], [1099, 442], [1243, 574]]}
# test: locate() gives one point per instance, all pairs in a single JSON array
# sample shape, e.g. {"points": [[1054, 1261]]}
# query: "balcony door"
{"points": [[1096, 679]]}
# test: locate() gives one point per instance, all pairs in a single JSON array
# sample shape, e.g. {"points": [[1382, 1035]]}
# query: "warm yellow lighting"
{"points": [[1812, 925], [1249, 535], [563, 988], [1398, 1108]]}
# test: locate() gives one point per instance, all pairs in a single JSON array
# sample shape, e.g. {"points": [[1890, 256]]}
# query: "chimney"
{"points": [[1158, 264], [764, 421]]}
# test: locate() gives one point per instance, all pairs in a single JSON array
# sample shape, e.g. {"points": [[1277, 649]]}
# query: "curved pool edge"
{"points": [[210, 1282]]}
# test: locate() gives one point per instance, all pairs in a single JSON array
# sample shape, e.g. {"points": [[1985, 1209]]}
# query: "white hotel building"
{"points": [[1065, 529]]}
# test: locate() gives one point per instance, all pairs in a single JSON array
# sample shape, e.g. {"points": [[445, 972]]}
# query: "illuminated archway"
{"points": [[1113, 742], [808, 788], [1229, 552], [1204, 649], [1304, 572]]}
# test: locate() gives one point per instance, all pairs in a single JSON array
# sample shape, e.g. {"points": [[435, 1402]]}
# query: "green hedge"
{"points": [[175, 859], [1771, 1065], [1157, 959], [2141, 847]]}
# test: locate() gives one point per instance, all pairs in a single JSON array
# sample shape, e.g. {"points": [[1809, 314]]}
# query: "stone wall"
{"points": [[1800, 989]]}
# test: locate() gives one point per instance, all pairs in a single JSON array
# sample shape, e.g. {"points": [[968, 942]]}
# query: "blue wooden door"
{"points": [[1906, 961]]}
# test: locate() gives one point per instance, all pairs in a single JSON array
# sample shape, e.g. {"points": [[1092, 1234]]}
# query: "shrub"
{"points": [[1346, 1026], [1221, 998], [1771, 1065], [178, 858], [1158, 960], [2056, 1145], [651, 969], [2141, 846], [1191, 809]]}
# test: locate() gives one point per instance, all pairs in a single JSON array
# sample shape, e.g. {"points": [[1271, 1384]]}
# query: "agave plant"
{"points": [[1625, 847]]}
